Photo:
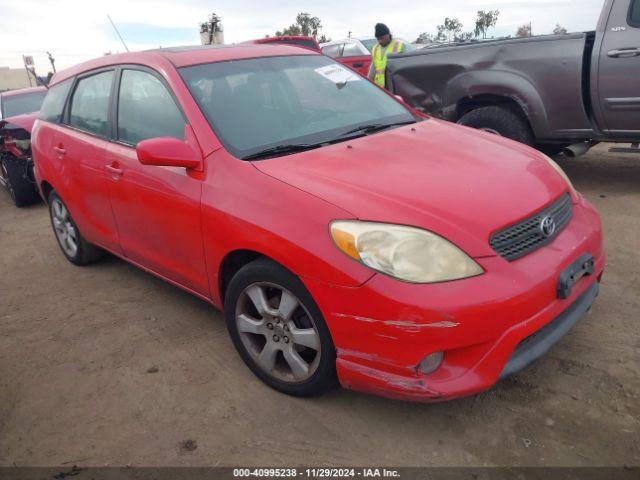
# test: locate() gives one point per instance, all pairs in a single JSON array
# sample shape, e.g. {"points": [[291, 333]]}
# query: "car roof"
{"points": [[185, 56], [23, 91]]}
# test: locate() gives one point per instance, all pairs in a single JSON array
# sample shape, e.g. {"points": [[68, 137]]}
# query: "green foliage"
{"points": [[485, 21], [524, 31], [305, 25]]}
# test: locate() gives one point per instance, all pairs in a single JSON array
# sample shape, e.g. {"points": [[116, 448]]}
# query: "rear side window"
{"points": [[634, 13], [333, 50], [146, 109], [351, 50], [90, 104], [53, 104]]}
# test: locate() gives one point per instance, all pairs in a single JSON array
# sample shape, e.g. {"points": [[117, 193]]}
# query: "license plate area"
{"points": [[582, 267]]}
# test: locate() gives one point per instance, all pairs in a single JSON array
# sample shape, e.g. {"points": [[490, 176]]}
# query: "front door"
{"points": [[619, 70], [157, 209]]}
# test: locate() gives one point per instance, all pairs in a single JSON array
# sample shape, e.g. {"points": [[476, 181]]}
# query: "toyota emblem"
{"points": [[547, 226]]}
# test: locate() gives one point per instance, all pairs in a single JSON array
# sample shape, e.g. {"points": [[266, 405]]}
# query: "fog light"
{"points": [[430, 363]]}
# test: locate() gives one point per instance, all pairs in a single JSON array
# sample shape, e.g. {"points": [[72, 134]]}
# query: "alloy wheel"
{"points": [[278, 332], [65, 229]]}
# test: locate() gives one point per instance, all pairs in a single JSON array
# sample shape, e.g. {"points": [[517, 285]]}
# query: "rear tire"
{"points": [[22, 191], [500, 121], [285, 343], [552, 149], [73, 245]]}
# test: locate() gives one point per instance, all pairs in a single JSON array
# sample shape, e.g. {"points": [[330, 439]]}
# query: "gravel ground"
{"points": [[107, 365]]}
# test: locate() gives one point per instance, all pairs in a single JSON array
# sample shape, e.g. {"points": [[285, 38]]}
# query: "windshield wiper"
{"points": [[282, 150], [373, 127]]}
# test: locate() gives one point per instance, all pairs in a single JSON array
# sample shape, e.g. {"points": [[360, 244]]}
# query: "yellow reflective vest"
{"points": [[379, 59]]}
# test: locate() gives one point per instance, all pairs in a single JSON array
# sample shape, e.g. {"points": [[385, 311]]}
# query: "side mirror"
{"points": [[170, 152]]}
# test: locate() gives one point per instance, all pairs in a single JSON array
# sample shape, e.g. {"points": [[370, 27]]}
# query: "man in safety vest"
{"points": [[386, 44]]}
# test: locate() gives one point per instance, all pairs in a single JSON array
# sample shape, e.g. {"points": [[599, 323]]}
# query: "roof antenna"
{"points": [[116, 29]]}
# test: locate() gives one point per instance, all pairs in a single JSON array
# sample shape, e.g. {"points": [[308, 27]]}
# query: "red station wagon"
{"points": [[345, 236]]}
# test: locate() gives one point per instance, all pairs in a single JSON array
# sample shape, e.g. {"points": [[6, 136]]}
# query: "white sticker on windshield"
{"points": [[338, 74]]}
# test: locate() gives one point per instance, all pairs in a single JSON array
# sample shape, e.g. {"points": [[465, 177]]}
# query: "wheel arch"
{"points": [[45, 189], [232, 262], [486, 88]]}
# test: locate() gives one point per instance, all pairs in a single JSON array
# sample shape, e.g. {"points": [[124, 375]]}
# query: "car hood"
{"points": [[24, 121], [461, 183]]}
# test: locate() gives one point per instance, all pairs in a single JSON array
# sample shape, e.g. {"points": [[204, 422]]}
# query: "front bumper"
{"points": [[383, 329]]}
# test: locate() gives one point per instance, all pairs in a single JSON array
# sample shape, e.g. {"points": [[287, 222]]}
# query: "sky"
{"points": [[78, 30]]}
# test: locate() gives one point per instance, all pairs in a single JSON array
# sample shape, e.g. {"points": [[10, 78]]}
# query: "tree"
{"points": [[425, 39], [449, 29], [464, 37], [305, 25], [485, 21], [559, 30], [524, 31]]}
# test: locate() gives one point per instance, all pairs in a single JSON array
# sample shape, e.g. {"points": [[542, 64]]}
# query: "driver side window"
{"points": [[146, 109]]}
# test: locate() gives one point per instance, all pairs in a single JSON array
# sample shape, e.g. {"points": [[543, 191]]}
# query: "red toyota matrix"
{"points": [[346, 237]]}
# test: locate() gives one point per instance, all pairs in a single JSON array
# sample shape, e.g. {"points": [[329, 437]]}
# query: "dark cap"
{"points": [[382, 29]]}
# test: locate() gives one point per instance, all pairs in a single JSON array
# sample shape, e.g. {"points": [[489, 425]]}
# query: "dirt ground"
{"points": [[107, 365]]}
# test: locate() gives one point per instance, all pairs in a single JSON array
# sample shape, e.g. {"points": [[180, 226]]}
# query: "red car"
{"points": [[16, 122], [298, 40], [345, 236]]}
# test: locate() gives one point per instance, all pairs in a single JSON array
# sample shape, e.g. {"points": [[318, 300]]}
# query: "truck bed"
{"points": [[544, 75]]}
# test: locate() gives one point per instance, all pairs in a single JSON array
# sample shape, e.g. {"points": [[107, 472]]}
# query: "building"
{"points": [[13, 78]]}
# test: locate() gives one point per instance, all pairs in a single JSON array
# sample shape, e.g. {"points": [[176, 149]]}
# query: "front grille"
{"points": [[526, 236]]}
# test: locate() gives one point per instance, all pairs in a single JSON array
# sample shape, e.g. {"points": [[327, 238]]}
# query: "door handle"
{"points": [[116, 172], [358, 65], [59, 150], [624, 52]]}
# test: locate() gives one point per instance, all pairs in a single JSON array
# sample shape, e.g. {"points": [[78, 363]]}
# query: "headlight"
{"points": [[406, 253], [558, 169]]}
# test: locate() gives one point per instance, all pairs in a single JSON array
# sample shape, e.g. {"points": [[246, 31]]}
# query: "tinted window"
{"points": [[369, 43], [264, 102], [53, 104], [333, 50], [90, 104], [299, 41], [352, 50], [19, 104], [146, 109], [634, 14]]}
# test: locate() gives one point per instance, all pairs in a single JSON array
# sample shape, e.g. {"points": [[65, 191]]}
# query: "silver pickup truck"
{"points": [[557, 92]]}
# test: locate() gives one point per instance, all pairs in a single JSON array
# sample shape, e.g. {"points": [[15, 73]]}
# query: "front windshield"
{"points": [[19, 104], [268, 102]]}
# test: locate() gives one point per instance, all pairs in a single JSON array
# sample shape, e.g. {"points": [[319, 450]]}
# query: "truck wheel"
{"points": [[279, 330], [500, 121], [22, 191], [73, 245]]}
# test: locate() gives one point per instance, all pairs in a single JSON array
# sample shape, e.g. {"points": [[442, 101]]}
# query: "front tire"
{"points": [[279, 330], [22, 191], [73, 245], [500, 121]]}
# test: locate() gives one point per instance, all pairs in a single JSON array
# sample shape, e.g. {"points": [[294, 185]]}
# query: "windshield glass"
{"points": [[19, 104], [262, 103]]}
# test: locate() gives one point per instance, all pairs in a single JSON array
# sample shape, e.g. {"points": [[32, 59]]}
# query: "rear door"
{"points": [[619, 69], [78, 148], [157, 209], [356, 57]]}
